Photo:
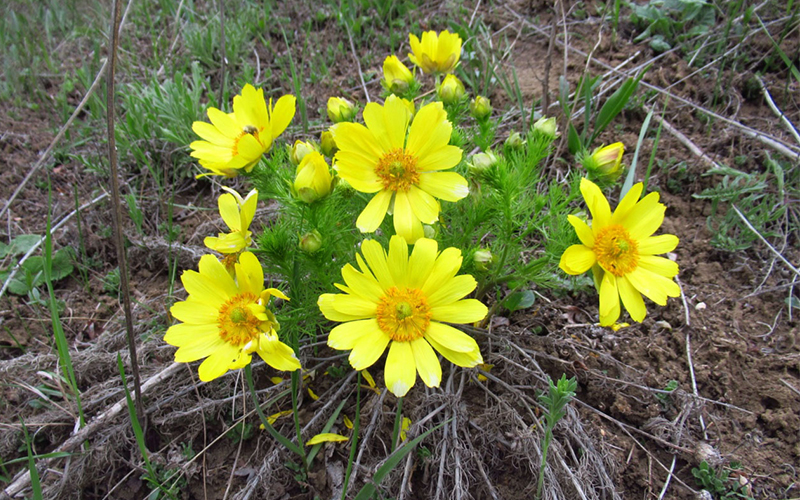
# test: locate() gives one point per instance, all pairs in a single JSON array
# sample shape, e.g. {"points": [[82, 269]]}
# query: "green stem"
{"points": [[295, 392], [354, 443], [398, 417], [548, 436], [248, 375]]}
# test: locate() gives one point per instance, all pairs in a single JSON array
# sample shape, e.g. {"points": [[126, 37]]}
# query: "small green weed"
{"points": [[667, 22], [719, 483]]}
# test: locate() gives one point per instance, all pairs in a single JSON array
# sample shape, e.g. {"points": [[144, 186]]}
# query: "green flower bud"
{"points": [[311, 242], [483, 259], [341, 110], [300, 150], [515, 141], [482, 161], [480, 107], [546, 126], [451, 90], [328, 144]]}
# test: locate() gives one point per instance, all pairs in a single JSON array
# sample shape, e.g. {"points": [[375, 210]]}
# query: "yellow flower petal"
{"points": [[631, 299], [364, 286], [388, 123], [424, 206], [345, 336], [326, 437], [282, 114], [626, 204], [398, 260], [464, 359], [368, 349], [347, 422], [312, 394], [646, 217], [447, 186], [428, 367], [368, 378], [463, 311], [659, 265], [653, 286], [376, 259], [249, 274], [217, 363], [326, 303], [277, 354], [577, 259], [406, 223], [454, 289], [452, 338], [192, 312], [445, 267], [583, 230], [597, 203], [372, 215], [400, 371], [609, 300], [422, 261], [662, 243], [204, 343]]}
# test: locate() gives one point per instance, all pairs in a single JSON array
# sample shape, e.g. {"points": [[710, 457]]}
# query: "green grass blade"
{"points": [[327, 428], [36, 484], [614, 104], [369, 489], [626, 186], [795, 72]]}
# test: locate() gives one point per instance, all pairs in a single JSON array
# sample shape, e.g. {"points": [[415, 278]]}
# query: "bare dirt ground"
{"points": [[728, 341]]}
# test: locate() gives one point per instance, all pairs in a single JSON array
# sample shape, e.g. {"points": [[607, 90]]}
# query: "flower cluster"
{"points": [[404, 299]]}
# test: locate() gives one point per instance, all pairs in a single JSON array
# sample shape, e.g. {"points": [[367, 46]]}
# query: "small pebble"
{"points": [[701, 306]]}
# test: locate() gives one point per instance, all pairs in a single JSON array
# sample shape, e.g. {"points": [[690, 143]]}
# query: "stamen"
{"points": [[397, 170], [403, 314], [616, 251]]}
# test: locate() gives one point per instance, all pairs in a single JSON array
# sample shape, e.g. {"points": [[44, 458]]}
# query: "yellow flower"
{"points": [[226, 320], [405, 174], [451, 90], [605, 161], [313, 178], [435, 53], [235, 141], [396, 76], [621, 250], [237, 213], [341, 110], [403, 300]]}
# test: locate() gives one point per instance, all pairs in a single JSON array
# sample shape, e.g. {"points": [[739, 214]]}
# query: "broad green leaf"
{"points": [[615, 103], [519, 300], [574, 140], [23, 243]]}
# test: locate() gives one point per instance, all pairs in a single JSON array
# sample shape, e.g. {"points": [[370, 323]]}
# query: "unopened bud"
{"points": [[515, 141], [482, 161], [328, 144], [341, 110], [546, 126], [311, 241], [480, 107], [483, 259], [451, 90], [300, 150]]}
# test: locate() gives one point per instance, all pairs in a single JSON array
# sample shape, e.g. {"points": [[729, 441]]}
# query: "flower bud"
{"points": [[480, 108], [515, 141], [429, 231], [311, 242], [483, 259], [396, 76], [546, 126], [328, 144], [341, 110], [313, 179], [605, 161], [300, 150], [482, 161], [451, 90]]}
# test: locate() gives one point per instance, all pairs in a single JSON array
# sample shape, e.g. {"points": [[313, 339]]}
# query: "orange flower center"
{"points": [[616, 251], [237, 323], [247, 130], [403, 314], [397, 170]]}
